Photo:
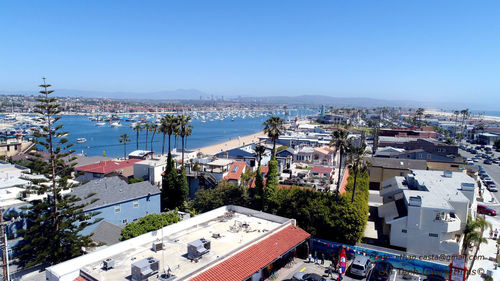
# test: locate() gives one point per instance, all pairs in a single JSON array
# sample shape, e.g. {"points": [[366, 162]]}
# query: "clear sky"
{"points": [[433, 50]]}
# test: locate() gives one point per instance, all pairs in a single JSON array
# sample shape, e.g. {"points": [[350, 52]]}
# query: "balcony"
{"points": [[448, 225]]}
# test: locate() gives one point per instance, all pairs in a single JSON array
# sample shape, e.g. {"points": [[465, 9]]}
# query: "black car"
{"points": [[382, 271], [487, 162]]}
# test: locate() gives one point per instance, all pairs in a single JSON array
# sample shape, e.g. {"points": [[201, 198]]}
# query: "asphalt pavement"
{"points": [[493, 170]]}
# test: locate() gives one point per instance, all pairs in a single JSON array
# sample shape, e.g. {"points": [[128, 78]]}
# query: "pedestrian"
{"points": [[322, 258], [330, 271], [309, 258], [491, 233], [496, 233], [315, 257]]}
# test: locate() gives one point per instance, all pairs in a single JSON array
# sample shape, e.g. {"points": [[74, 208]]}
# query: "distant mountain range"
{"points": [[314, 100]]}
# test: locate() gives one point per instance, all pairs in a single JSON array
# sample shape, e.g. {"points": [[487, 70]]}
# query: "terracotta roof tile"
{"points": [[319, 169], [105, 167], [238, 168], [245, 263]]}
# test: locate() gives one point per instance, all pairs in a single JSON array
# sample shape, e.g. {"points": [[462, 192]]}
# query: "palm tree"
{"points": [[420, 113], [124, 139], [147, 127], [138, 128], [153, 129], [480, 224], [357, 158], [341, 140], [259, 152], [185, 130], [171, 123], [465, 113], [273, 127], [176, 129], [164, 130]]}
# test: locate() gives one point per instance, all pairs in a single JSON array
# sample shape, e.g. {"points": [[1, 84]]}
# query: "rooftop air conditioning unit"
{"points": [[198, 248], [157, 246], [108, 263], [143, 269]]}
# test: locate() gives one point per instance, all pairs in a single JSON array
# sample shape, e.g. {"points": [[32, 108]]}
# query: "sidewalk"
{"points": [[488, 251], [488, 198]]}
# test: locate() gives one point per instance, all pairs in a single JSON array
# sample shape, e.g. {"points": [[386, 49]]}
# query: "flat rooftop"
{"points": [[238, 228]]}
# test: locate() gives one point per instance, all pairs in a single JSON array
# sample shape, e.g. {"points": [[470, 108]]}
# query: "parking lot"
{"points": [[299, 265], [493, 170]]}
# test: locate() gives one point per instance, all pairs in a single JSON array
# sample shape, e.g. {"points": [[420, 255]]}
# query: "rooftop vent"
{"points": [[415, 201], [447, 173]]}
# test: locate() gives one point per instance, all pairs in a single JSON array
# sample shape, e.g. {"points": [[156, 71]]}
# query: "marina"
{"points": [[99, 135]]}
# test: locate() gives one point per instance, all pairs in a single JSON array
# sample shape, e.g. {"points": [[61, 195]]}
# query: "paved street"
{"points": [[286, 274], [493, 171]]}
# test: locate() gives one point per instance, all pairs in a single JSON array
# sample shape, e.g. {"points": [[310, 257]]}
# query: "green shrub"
{"points": [[148, 223]]}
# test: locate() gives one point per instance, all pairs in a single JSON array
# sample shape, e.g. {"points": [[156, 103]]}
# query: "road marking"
{"points": [[302, 269]]}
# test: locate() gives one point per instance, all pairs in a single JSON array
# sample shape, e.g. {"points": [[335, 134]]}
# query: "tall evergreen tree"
{"points": [[55, 221], [169, 183], [258, 191], [272, 182]]}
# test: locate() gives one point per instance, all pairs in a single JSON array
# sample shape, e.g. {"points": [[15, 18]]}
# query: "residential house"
{"points": [[123, 168], [321, 172], [381, 169], [140, 154], [428, 144], [235, 172], [151, 169], [426, 211], [118, 202]]}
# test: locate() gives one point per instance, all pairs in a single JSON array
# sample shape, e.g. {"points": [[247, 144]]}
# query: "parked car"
{"points": [[487, 162], [491, 186], [302, 276], [434, 277], [361, 266], [382, 271], [482, 209], [495, 160]]}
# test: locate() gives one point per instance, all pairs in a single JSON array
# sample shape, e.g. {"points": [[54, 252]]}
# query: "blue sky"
{"points": [[423, 50]]}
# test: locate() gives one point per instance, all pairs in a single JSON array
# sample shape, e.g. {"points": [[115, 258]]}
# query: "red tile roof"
{"points": [[106, 167], [239, 167], [79, 278], [245, 263], [322, 170]]}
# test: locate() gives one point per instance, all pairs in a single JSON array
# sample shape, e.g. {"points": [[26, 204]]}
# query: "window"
{"points": [[404, 230], [136, 204], [117, 208], [433, 235], [402, 174], [125, 221]]}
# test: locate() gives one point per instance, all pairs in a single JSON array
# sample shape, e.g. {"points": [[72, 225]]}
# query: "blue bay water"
{"points": [[104, 140]]}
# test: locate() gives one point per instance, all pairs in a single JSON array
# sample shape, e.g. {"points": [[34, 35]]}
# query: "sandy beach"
{"points": [[452, 116], [230, 144]]}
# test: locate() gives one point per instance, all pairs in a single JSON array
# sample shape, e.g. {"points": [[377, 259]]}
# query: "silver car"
{"points": [[361, 266]]}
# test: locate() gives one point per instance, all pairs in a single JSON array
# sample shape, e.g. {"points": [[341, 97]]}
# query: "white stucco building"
{"points": [[426, 211]]}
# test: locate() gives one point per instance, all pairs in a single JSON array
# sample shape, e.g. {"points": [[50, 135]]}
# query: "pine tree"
{"points": [[55, 221], [259, 190], [182, 187], [168, 185]]}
